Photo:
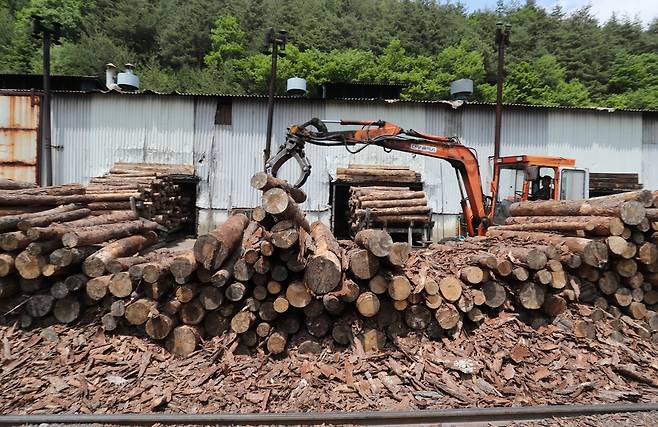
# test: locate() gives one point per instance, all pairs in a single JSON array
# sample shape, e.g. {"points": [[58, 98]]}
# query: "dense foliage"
{"points": [[215, 45]]}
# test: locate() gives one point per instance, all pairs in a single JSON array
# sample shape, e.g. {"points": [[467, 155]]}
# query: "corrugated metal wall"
{"points": [[96, 130], [93, 131], [649, 175], [19, 132]]}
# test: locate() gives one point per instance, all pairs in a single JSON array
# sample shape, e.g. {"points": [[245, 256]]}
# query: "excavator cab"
{"points": [[521, 178]]}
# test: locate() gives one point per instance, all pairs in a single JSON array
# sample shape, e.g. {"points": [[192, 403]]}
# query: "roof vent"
{"points": [[110, 76], [296, 86], [127, 80], [461, 89]]}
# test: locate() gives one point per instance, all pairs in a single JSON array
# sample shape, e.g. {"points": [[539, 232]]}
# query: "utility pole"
{"points": [[45, 108], [50, 32], [502, 40], [276, 40]]}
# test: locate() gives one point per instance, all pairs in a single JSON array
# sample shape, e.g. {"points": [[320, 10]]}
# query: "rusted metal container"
{"points": [[19, 137]]}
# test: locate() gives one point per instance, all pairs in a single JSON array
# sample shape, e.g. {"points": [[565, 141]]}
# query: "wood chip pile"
{"points": [[504, 362], [387, 206]]}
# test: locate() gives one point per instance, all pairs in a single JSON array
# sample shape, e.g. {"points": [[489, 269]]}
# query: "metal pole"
{"points": [[45, 108], [502, 38], [270, 105]]}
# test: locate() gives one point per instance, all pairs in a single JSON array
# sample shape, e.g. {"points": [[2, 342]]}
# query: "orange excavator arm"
{"points": [[392, 137]]}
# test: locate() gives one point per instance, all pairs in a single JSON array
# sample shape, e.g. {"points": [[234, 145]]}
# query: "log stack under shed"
{"points": [[165, 193], [382, 206], [604, 184], [162, 193], [377, 175]]}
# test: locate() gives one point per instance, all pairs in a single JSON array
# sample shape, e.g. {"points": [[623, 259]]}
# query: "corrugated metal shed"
{"points": [[94, 130], [19, 133], [91, 132]]}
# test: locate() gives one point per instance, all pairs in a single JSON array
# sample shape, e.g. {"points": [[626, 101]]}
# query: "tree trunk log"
{"points": [[29, 266], [212, 249], [363, 264], [276, 343], [6, 264], [399, 288], [159, 326], [389, 203], [367, 304], [279, 203], [66, 309], [531, 295], [138, 312], [323, 269], [378, 242], [183, 265], [263, 182], [183, 340], [96, 265], [9, 223], [494, 294], [450, 288], [60, 217], [447, 316], [90, 236], [630, 212], [121, 285], [14, 241]]}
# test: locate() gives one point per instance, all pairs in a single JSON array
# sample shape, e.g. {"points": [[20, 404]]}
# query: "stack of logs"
{"points": [[613, 261], [153, 191], [384, 206], [159, 187], [376, 174], [276, 278], [30, 200], [47, 258]]}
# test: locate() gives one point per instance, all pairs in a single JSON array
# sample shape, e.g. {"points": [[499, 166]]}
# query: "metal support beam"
{"points": [[502, 40], [45, 109], [437, 416]]}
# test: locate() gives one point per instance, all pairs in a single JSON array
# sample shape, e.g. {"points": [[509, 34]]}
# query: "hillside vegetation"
{"points": [[214, 46]]}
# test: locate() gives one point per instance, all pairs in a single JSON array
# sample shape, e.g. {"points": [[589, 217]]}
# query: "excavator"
{"points": [[515, 178]]}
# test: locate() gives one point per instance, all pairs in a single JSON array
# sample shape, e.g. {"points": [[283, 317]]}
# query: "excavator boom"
{"points": [[391, 137]]}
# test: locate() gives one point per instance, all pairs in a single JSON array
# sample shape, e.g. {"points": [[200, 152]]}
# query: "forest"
{"points": [[215, 46]]}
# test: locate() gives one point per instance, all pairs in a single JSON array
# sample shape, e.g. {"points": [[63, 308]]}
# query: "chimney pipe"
{"points": [[110, 76]]}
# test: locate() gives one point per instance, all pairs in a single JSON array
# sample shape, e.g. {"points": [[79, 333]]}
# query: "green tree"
{"points": [[23, 50], [634, 81], [227, 40]]}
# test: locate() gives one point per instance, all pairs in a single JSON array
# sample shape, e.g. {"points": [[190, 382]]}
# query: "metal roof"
{"points": [[447, 103]]}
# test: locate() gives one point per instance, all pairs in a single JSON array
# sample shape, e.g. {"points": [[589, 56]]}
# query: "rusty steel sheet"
{"points": [[19, 133]]}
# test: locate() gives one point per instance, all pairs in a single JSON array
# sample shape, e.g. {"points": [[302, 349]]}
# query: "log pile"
{"points": [[162, 193], [276, 278], [56, 262], [387, 206], [601, 184], [376, 175], [608, 249]]}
